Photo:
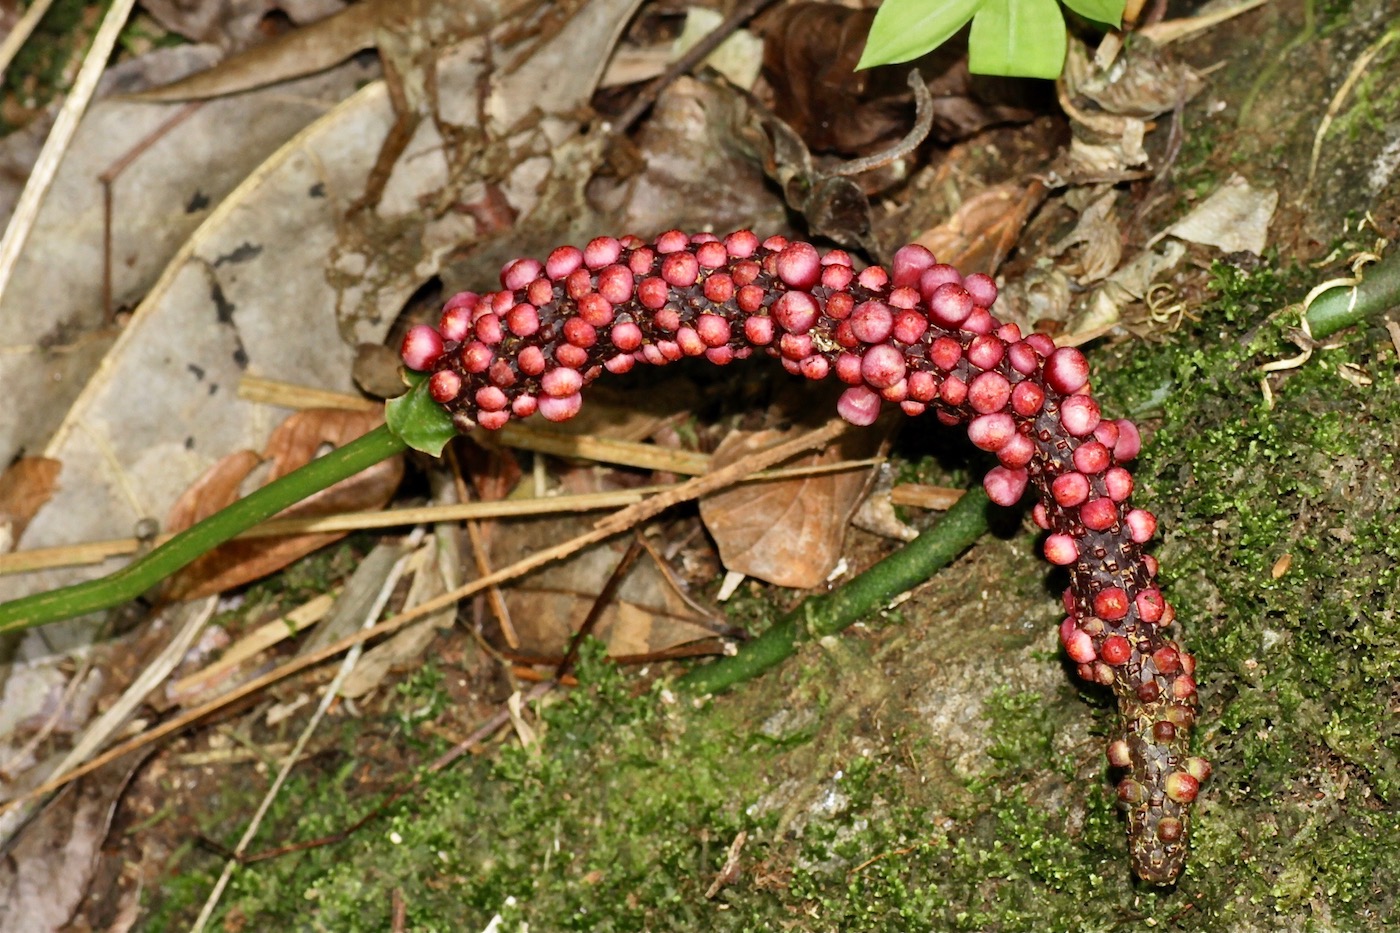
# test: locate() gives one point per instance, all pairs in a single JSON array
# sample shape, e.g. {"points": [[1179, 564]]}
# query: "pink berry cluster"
{"points": [[920, 335]]}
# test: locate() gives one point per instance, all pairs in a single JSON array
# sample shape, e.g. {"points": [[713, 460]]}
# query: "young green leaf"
{"points": [[906, 29], [417, 420], [1018, 39], [1108, 12]]}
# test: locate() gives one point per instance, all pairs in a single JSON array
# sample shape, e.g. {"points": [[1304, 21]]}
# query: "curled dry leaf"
{"points": [[789, 532], [24, 488], [1102, 308], [1097, 235], [1110, 109], [810, 54], [295, 443], [835, 206], [985, 228], [1145, 82], [1235, 218]]}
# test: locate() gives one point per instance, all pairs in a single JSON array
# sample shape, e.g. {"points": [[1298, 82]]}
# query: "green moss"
{"points": [[1298, 665]]}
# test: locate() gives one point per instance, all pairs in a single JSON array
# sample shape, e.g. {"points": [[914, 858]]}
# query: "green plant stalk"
{"points": [[1341, 307], [142, 574], [829, 613]]}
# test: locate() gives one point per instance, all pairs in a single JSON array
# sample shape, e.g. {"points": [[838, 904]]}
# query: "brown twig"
{"points": [[109, 177], [595, 612]]}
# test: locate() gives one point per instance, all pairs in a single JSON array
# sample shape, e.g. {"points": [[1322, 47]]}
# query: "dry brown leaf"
{"points": [[298, 439], [788, 533], [650, 615], [24, 488], [810, 54], [985, 228], [295, 443], [217, 488]]}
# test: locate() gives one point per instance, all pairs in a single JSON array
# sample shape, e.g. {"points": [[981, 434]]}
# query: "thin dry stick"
{"points": [[252, 644], [600, 603], [94, 552], [327, 697], [604, 530], [27, 210]]}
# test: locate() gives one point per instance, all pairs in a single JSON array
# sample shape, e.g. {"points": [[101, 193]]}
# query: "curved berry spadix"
{"points": [[921, 337]]}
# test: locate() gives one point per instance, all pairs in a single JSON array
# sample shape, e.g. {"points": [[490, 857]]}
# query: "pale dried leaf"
{"points": [[739, 57], [1235, 218], [52, 339], [790, 532], [1095, 157]]}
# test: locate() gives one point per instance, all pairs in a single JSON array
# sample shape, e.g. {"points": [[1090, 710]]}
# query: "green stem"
{"points": [[828, 614], [142, 574], [1345, 305]]}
